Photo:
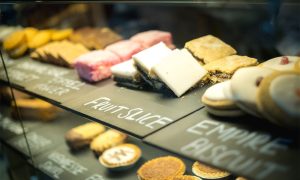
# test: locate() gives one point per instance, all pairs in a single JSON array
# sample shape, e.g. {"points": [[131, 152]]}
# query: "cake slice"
{"points": [[180, 71], [209, 48], [223, 69], [152, 37], [126, 74], [95, 66], [125, 49], [147, 59]]}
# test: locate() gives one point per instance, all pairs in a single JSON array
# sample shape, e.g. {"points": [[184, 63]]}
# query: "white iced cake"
{"points": [[126, 74], [179, 71], [147, 59]]}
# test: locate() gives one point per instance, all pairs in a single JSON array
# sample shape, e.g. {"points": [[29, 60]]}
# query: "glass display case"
{"points": [[59, 71]]}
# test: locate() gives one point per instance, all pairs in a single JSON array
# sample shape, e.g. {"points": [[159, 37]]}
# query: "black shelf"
{"points": [[263, 138]]}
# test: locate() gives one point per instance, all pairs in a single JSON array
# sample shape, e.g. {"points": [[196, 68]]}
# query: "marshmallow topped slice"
{"points": [[148, 58], [125, 70], [179, 71]]}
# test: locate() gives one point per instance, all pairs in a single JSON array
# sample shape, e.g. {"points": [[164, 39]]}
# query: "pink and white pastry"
{"points": [[152, 37], [95, 65], [125, 49]]}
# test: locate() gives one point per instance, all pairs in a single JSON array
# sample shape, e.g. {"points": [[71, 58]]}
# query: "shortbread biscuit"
{"points": [[82, 135], [107, 140]]}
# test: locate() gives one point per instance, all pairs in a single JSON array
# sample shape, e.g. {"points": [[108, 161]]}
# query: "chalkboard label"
{"points": [[37, 143], [253, 153], [57, 163], [136, 112], [42, 69], [61, 89]]}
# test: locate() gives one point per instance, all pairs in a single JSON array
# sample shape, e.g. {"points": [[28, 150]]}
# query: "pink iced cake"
{"points": [[150, 38], [125, 49], [95, 66]]}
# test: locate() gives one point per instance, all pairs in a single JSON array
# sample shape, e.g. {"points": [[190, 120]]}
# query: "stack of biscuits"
{"points": [[62, 53], [270, 90]]}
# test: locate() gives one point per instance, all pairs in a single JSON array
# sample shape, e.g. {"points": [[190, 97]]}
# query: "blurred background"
{"points": [[261, 29]]}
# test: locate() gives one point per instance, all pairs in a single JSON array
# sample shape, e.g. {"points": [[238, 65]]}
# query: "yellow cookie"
{"points": [[41, 38], [30, 32], [61, 34], [13, 40], [19, 51]]}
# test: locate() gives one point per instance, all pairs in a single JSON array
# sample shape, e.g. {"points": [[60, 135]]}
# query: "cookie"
{"points": [[244, 85], [14, 40], [82, 135], [215, 97], [120, 157], [41, 38], [59, 35], [207, 172], [223, 69], [34, 109], [278, 98], [30, 32], [106, 140], [283, 63], [209, 48], [18, 51], [165, 168], [186, 177]]}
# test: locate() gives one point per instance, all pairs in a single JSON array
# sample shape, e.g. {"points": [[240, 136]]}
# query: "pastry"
{"points": [[244, 85], [95, 38], [106, 140], [162, 168], [283, 63], [278, 98], [219, 100], [41, 38], [59, 35], [14, 40], [179, 71], [30, 32], [147, 59], [207, 172], [126, 74], [125, 49], [186, 177], [209, 48], [95, 66], [34, 109], [152, 37], [222, 69], [120, 157], [82, 135]]}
